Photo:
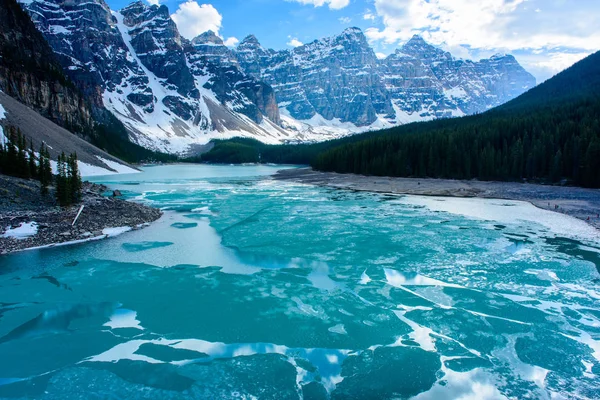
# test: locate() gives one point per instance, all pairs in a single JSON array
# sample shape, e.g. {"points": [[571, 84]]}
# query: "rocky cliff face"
{"points": [[172, 93], [340, 78], [336, 78], [156, 41], [429, 83], [30, 72], [169, 92]]}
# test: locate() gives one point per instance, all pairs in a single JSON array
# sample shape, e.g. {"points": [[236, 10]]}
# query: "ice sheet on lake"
{"points": [[507, 211], [123, 318], [112, 232]]}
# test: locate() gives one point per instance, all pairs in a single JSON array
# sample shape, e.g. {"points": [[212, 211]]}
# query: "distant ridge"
{"points": [[174, 94], [549, 134]]}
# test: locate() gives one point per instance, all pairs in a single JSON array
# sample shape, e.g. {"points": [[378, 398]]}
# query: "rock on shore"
{"points": [[29, 220]]}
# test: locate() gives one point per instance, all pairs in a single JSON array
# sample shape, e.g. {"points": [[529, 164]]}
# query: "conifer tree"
{"points": [[74, 177], [45, 170], [2, 158], [63, 195]]}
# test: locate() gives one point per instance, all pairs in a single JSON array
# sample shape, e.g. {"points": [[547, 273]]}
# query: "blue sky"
{"points": [[546, 36]]}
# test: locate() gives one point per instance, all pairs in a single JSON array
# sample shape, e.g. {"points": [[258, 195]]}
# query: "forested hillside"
{"points": [[549, 134]]}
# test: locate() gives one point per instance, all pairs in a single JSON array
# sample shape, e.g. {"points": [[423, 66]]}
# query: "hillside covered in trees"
{"points": [[549, 134]]}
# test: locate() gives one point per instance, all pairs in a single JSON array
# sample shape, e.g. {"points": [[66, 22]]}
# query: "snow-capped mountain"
{"points": [[340, 78], [172, 93]]}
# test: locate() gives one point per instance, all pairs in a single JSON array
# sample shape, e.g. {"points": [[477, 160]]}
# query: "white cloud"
{"points": [[380, 56], [294, 42], [231, 42], [193, 19], [345, 20], [546, 65], [153, 2], [369, 16], [333, 4], [559, 32], [489, 24]]}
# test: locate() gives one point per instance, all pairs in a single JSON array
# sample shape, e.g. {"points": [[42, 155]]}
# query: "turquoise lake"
{"points": [[252, 288]]}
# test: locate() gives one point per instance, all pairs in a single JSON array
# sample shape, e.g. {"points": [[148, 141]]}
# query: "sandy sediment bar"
{"points": [[574, 201]]}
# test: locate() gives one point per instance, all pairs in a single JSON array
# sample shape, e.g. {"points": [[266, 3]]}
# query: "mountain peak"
{"points": [[417, 39], [352, 30], [502, 56], [208, 37], [418, 47], [250, 40], [353, 33], [136, 7]]}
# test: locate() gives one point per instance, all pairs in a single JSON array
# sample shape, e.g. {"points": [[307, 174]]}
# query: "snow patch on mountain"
{"points": [[174, 94]]}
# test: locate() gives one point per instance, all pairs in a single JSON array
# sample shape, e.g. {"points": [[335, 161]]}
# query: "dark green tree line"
{"points": [[18, 159], [68, 180]]}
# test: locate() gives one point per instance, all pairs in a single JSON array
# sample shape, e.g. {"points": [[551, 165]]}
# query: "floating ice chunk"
{"points": [[397, 278], [364, 278], [588, 367], [23, 231], [339, 329], [112, 232], [123, 318], [507, 212], [543, 275], [420, 334], [586, 339]]}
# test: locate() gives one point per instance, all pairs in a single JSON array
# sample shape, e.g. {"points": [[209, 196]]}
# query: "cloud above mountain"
{"points": [[551, 33], [192, 19], [545, 35]]}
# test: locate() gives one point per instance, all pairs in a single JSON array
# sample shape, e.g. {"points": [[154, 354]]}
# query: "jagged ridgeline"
{"points": [[31, 73], [174, 94], [551, 134]]}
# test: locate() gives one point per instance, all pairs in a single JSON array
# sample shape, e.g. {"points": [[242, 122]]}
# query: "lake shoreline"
{"points": [[29, 221], [581, 203]]}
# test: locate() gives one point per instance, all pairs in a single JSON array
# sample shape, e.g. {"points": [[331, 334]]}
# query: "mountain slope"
{"points": [[551, 133], [340, 78], [38, 129], [154, 81], [31, 72], [174, 94]]}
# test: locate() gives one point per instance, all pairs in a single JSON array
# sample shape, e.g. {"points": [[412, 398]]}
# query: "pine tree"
{"points": [[45, 170], [74, 177], [2, 158], [63, 196]]}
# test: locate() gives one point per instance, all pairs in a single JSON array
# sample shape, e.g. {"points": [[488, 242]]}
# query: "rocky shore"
{"points": [[29, 220], [577, 202]]}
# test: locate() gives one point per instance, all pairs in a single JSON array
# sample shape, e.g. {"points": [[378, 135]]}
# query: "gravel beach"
{"points": [[29, 220], [574, 201]]}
